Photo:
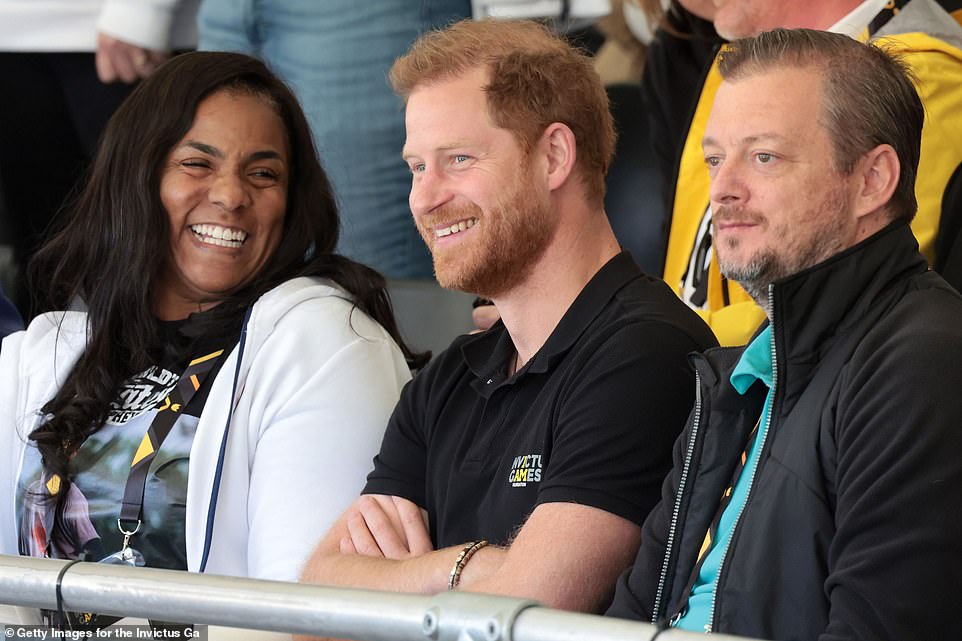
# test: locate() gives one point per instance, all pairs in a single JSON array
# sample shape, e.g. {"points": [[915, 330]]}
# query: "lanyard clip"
{"points": [[127, 533]]}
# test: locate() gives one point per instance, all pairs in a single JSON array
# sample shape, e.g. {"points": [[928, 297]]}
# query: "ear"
{"points": [[879, 172], [558, 144]]}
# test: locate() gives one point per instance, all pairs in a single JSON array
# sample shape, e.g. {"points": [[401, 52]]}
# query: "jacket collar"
{"points": [[813, 306]]}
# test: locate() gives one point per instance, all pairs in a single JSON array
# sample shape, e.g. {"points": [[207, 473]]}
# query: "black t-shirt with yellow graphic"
{"points": [[87, 528]]}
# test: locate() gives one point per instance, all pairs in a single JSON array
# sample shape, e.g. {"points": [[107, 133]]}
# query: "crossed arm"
{"points": [[565, 555]]}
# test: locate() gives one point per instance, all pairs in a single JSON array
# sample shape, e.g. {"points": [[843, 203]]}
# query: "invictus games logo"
{"points": [[525, 469]]}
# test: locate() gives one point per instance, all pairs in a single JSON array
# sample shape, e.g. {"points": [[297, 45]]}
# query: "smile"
{"points": [[456, 228], [220, 236]]}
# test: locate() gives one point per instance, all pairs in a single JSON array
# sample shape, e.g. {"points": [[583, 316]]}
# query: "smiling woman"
{"points": [[225, 390], [224, 186]]}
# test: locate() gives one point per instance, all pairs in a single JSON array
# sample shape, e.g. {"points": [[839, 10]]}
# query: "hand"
{"points": [[386, 526], [484, 317], [119, 60]]}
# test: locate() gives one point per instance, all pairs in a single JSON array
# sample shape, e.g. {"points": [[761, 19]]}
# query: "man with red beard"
{"points": [[522, 460], [816, 488]]}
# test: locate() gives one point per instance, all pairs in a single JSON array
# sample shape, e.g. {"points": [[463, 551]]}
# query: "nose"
{"points": [[229, 191], [429, 190], [728, 185]]}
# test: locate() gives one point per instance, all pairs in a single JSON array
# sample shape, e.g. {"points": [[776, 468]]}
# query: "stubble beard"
{"points": [[768, 265], [509, 241]]}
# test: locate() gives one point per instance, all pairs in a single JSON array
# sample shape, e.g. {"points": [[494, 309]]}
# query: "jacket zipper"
{"points": [[659, 594], [710, 626]]}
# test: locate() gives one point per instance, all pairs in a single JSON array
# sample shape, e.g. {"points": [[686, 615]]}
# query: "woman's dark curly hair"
{"points": [[114, 242]]}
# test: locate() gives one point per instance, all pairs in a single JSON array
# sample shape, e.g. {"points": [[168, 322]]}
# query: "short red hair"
{"points": [[536, 79]]}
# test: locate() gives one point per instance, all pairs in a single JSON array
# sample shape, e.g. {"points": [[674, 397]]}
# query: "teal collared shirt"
{"points": [[754, 365]]}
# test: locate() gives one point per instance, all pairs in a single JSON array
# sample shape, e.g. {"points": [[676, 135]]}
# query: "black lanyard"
{"points": [[190, 381], [133, 503]]}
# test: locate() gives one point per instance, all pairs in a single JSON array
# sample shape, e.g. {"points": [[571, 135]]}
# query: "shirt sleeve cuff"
{"points": [[144, 24], [601, 500]]}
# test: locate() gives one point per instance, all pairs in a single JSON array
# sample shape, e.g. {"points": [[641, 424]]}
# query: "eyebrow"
{"points": [[204, 148], [267, 154], [459, 144], [768, 135]]}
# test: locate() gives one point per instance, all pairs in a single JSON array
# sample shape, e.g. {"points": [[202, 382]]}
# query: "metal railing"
{"points": [[169, 595]]}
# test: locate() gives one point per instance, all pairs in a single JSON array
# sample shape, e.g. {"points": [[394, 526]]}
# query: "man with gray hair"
{"points": [[815, 490]]}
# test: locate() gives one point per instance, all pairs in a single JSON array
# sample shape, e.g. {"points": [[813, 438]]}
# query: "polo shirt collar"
{"points": [[487, 354], [755, 363]]}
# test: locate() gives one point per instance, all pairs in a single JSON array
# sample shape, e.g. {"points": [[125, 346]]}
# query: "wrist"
{"points": [[461, 562], [484, 563]]}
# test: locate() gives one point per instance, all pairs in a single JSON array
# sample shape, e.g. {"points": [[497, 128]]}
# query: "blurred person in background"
{"points": [[10, 319], [681, 48], [66, 66]]}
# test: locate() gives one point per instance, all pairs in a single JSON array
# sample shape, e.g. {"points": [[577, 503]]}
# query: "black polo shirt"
{"points": [[590, 419]]}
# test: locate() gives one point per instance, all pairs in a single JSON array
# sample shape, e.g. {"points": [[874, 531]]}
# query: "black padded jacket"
{"points": [[853, 525]]}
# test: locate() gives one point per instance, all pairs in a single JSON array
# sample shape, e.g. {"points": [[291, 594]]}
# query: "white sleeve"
{"points": [[320, 425], [518, 9], [145, 23], [33, 365]]}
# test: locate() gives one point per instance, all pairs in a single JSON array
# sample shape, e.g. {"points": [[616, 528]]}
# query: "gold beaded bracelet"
{"points": [[466, 553]]}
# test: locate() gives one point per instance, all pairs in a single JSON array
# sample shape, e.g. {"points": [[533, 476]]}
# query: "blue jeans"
{"points": [[335, 55]]}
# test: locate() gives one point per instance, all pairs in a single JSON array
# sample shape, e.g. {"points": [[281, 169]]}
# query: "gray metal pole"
{"points": [[545, 624], [169, 595]]}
